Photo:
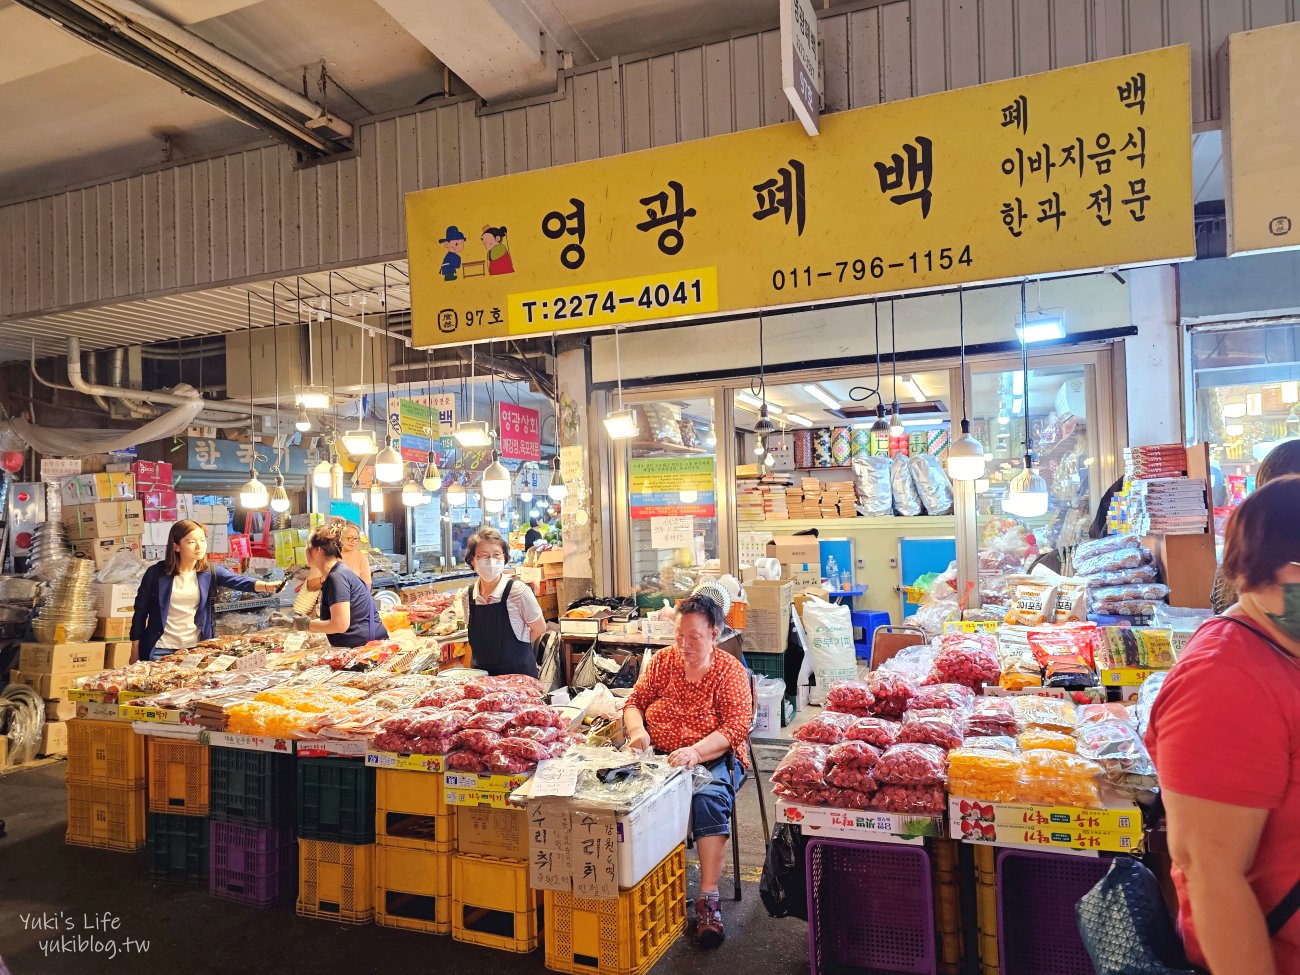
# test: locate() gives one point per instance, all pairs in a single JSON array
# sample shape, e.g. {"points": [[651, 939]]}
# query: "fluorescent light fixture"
{"points": [[320, 474], [622, 425], [1290, 392], [1041, 330], [253, 494], [359, 443], [1234, 411], [496, 480], [750, 400], [312, 398], [817, 393], [388, 465], [914, 389], [1254, 404], [801, 420], [473, 433]]}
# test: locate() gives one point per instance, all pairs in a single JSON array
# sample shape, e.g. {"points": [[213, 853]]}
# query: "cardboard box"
{"points": [[531, 574], [54, 739], [113, 628], [488, 832], [123, 485], [4, 751], [79, 489], [117, 655], [155, 533], [159, 498], [49, 686], [550, 606], [167, 516], [116, 599], [60, 710], [153, 553], [61, 658], [218, 539], [795, 550], [79, 519], [219, 514], [102, 550], [767, 621], [116, 519], [150, 474]]}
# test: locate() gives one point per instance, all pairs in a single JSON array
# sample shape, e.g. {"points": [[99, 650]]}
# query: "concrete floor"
{"points": [[189, 932]]}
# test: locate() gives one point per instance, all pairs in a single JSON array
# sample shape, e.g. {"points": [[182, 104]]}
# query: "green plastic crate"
{"points": [[177, 848], [336, 800], [251, 788], [767, 664]]}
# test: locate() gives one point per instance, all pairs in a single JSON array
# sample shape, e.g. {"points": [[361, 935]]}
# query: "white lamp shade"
{"points": [[557, 490], [253, 494], [412, 495], [433, 480], [279, 499], [473, 433], [494, 505], [455, 494], [622, 425], [358, 496], [376, 498], [359, 443], [1026, 495], [320, 474], [966, 459], [336, 481], [496, 482], [388, 465]]}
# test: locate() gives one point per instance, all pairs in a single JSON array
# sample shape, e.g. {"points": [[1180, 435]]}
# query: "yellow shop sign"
{"points": [[1085, 167]]}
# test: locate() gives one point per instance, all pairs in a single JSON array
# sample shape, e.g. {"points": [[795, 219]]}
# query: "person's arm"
{"points": [[314, 581], [1215, 844], [644, 692], [711, 746], [634, 728], [531, 611], [339, 621], [364, 570], [232, 580]]}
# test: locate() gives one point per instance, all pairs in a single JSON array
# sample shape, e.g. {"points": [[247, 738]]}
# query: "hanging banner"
{"points": [[801, 77], [1085, 167], [671, 486], [520, 430]]}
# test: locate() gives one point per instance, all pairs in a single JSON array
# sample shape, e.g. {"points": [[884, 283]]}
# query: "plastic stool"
{"points": [[866, 620]]}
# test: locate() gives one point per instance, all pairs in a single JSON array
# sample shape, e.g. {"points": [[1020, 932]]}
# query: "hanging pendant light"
{"points": [[336, 481], [493, 505], [303, 423], [412, 496], [320, 474], [253, 494], [279, 496], [966, 454], [495, 483], [358, 495], [711, 438], [456, 492], [881, 427], [1027, 492], [432, 476], [620, 424], [388, 464], [895, 424], [376, 498], [557, 490]]}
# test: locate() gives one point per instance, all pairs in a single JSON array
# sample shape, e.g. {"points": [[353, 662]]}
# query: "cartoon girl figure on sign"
{"points": [[498, 251]]}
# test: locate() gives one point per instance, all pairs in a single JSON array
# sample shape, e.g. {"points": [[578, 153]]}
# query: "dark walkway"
{"points": [[189, 932]]}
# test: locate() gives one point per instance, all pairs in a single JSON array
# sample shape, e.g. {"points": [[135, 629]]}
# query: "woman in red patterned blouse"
{"points": [[693, 703]]}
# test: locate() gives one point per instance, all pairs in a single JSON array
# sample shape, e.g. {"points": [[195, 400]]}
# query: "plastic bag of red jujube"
{"points": [[992, 716], [966, 658], [846, 777], [533, 733], [912, 764], [503, 763], [953, 697], [539, 716], [505, 702], [848, 797], [488, 721], [935, 726], [477, 740], [850, 697], [803, 766], [806, 795], [854, 754], [533, 751], [827, 728], [441, 697], [892, 692], [466, 761], [880, 732], [909, 799], [512, 683]]}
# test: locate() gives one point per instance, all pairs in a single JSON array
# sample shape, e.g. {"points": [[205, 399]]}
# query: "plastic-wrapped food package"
{"points": [[803, 766], [504, 702], [538, 716], [1036, 711], [980, 773], [850, 777], [1112, 711], [1116, 747], [991, 716], [907, 501], [534, 733], [919, 799], [1058, 641], [850, 697], [912, 764], [1145, 647], [951, 697], [526, 748], [1042, 738], [931, 483], [466, 761], [849, 797], [880, 732], [489, 721], [853, 754], [1116, 561], [1139, 592], [1033, 602], [1071, 600], [1052, 778], [1094, 547], [1124, 577], [1133, 608], [509, 683], [502, 762], [935, 726], [1150, 689], [1001, 743], [827, 728], [932, 614], [476, 740], [912, 662], [892, 693], [440, 698], [427, 722], [871, 478], [970, 659]]}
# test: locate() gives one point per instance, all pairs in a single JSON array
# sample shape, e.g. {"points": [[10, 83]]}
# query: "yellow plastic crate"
{"points": [[412, 889], [336, 881], [107, 817], [105, 753], [491, 903], [626, 935], [178, 777], [411, 811]]}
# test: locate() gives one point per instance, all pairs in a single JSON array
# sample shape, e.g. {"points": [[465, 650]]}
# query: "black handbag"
{"points": [[1125, 926], [783, 886]]}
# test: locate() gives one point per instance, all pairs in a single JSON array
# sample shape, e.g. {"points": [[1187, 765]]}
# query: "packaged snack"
{"points": [[871, 475], [992, 775], [850, 697], [848, 797], [524, 748], [1116, 747], [1041, 738], [912, 764], [1002, 743], [914, 662], [1053, 778], [476, 740], [880, 732], [441, 697], [952, 697], [1063, 641], [853, 754], [1069, 673], [803, 766], [1071, 600], [1033, 602], [907, 501], [891, 692], [991, 716], [1037, 711], [1113, 711], [513, 683], [1122, 577], [1094, 547], [1138, 592], [970, 659], [936, 726], [1144, 647], [919, 799], [827, 728], [1124, 558]]}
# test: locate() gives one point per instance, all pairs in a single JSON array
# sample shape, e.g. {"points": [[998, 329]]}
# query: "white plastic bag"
{"points": [[830, 643]]}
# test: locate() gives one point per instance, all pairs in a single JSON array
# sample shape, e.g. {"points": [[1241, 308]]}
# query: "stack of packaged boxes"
{"points": [[50, 669], [102, 515]]}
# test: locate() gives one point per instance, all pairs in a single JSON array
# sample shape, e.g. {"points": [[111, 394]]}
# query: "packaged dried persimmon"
{"points": [[1042, 738], [988, 774], [1052, 778]]}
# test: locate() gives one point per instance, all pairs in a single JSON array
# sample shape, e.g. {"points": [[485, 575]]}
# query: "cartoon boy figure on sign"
{"points": [[454, 242]]}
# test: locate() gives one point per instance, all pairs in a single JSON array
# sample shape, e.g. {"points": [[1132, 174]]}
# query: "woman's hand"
{"points": [[302, 624], [685, 758], [639, 740]]}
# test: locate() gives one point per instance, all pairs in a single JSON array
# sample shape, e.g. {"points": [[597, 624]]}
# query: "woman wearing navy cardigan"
{"points": [[173, 609]]}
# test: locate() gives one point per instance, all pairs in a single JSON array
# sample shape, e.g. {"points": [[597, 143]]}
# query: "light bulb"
{"points": [[376, 498], [494, 505], [759, 449], [320, 474], [688, 496], [358, 496], [557, 490], [534, 513], [253, 494], [881, 427], [388, 465], [1027, 493], [895, 424], [336, 481], [769, 461], [966, 456], [432, 480], [456, 494], [412, 495], [711, 438], [303, 423], [982, 485], [279, 497], [1003, 419], [495, 483], [525, 496]]}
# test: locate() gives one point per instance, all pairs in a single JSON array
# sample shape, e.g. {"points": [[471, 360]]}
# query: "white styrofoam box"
{"points": [[116, 599], [653, 830]]}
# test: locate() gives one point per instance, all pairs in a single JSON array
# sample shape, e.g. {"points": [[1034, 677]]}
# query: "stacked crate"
{"points": [[491, 901], [178, 810], [336, 840], [415, 836], [106, 785], [251, 840], [51, 670]]}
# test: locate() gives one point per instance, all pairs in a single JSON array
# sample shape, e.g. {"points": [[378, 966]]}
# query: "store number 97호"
{"points": [[613, 302], [859, 269]]}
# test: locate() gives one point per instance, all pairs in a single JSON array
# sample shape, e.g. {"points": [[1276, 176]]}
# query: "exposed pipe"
{"points": [[117, 369], [92, 370]]}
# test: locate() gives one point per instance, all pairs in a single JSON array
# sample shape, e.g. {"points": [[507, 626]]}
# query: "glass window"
{"points": [[1245, 398]]}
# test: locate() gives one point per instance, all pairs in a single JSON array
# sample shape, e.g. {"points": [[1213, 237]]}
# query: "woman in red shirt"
{"points": [[693, 704], [1225, 737]]}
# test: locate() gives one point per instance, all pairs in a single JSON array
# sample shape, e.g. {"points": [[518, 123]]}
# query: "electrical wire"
{"points": [[863, 394], [25, 712]]}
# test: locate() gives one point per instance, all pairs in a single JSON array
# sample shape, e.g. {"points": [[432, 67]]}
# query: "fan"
{"points": [[716, 591]]}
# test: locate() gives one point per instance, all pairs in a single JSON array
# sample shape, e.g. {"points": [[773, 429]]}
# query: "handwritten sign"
{"points": [[554, 778], [593, 850], [672, 531]]}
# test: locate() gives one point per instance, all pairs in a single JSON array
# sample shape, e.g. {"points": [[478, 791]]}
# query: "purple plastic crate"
{"points": [[1038, 933], [870, 909], [249, 864]]}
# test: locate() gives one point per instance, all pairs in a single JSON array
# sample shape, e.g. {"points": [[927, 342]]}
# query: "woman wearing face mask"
{"points": [[1225, 737], [504, 616]]}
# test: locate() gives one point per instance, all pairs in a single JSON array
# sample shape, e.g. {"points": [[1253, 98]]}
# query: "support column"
{"points": [[580, 519], [1153, 358]]}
